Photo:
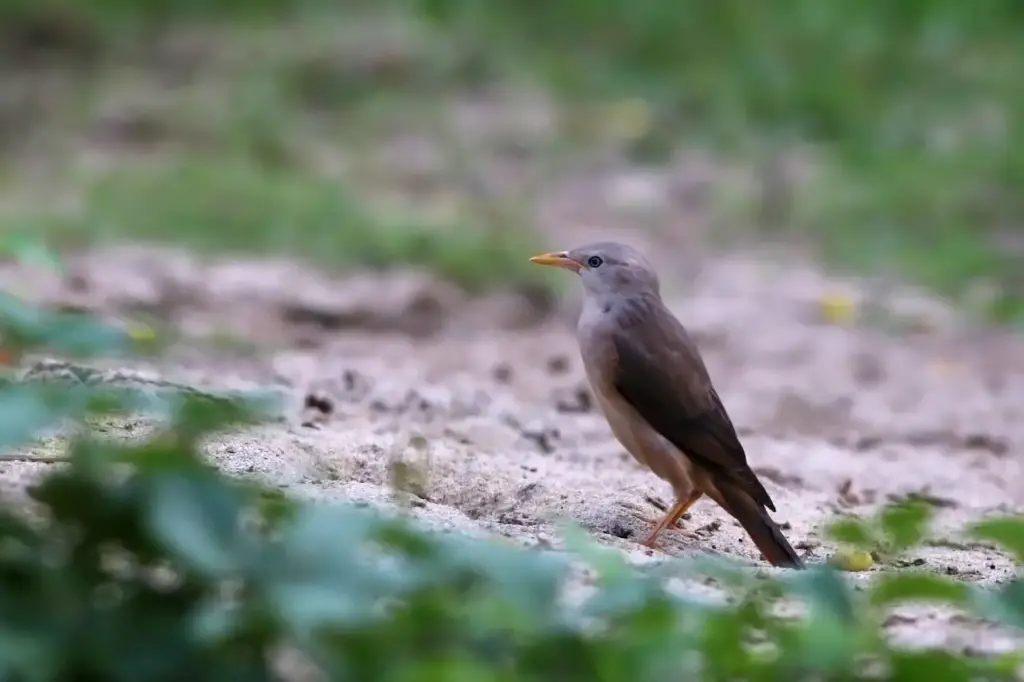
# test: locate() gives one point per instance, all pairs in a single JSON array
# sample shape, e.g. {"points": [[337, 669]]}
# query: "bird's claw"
{"points": [[651, 541]]}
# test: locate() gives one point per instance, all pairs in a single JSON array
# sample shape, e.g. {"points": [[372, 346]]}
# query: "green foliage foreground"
{"points": [[142, 562]]}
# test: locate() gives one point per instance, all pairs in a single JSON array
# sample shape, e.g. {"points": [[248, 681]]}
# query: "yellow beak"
{"points": [[557, 259]]}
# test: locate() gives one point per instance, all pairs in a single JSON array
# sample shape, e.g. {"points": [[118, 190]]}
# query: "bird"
{"points": [[650, 382]]}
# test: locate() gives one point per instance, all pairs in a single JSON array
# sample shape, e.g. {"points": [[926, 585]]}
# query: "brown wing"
{"points": [[661, 375]]}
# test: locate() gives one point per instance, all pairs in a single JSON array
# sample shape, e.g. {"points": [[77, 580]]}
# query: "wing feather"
{"points": [[660, 373]]}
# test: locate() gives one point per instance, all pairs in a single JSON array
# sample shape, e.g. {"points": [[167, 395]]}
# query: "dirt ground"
{"points": [[835, 419]]}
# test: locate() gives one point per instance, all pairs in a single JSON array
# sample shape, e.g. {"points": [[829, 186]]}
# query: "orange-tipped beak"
{"points": [[558, 259]]}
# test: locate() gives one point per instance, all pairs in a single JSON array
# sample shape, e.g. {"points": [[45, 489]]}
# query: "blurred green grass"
{"points": [[242, 142], [911, 111], [917, 108], [226, 205]]}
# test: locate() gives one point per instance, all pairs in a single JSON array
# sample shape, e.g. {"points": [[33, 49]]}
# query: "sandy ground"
{"points": [[835, 419]]}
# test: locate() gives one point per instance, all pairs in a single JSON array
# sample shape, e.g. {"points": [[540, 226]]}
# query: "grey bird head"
{"points": [[607, 269]]}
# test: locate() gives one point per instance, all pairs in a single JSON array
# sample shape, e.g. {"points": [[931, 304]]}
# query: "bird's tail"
{"points": [[765, 533]]}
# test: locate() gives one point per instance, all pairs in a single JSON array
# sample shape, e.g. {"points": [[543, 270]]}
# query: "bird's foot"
{"points": [[652, 540], [640, 514], [659, 525]]}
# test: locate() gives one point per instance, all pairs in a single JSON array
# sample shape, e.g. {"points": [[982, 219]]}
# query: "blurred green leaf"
{"points": [[217, 621], [526, 581], [1003, 604], [162, 454], [825, 591], [199, 519], [31, 409], [81, 335], [720, 633], [893, 588], [827, 642], [852, 532], [324, 576], [826, 645], [927, 666], [195, 416], [275, 507], [610, 565], [74, 334], [1005, 666], [33, 656], [625, 598], [24, 413], [1005, 531], [905, 524], [20, 323], [29, 249]]}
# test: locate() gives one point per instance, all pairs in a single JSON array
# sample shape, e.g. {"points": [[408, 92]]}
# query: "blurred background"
{"points": [[824, 185], [882, 138]]}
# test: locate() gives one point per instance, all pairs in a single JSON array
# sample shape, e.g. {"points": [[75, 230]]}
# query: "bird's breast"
{"points": [[594, 333], [646, 445]]}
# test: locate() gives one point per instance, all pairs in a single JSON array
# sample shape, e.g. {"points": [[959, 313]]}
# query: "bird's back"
{"points": [[659, 327]]}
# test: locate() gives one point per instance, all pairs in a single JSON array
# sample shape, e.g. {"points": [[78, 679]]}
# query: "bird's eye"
{"points": [[594, 262]]}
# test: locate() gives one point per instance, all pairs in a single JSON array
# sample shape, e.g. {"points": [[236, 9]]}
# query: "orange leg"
{"points": [[683, 508], [672, 517]]}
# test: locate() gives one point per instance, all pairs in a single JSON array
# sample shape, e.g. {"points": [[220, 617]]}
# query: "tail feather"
{"points": [[765, 533]]}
